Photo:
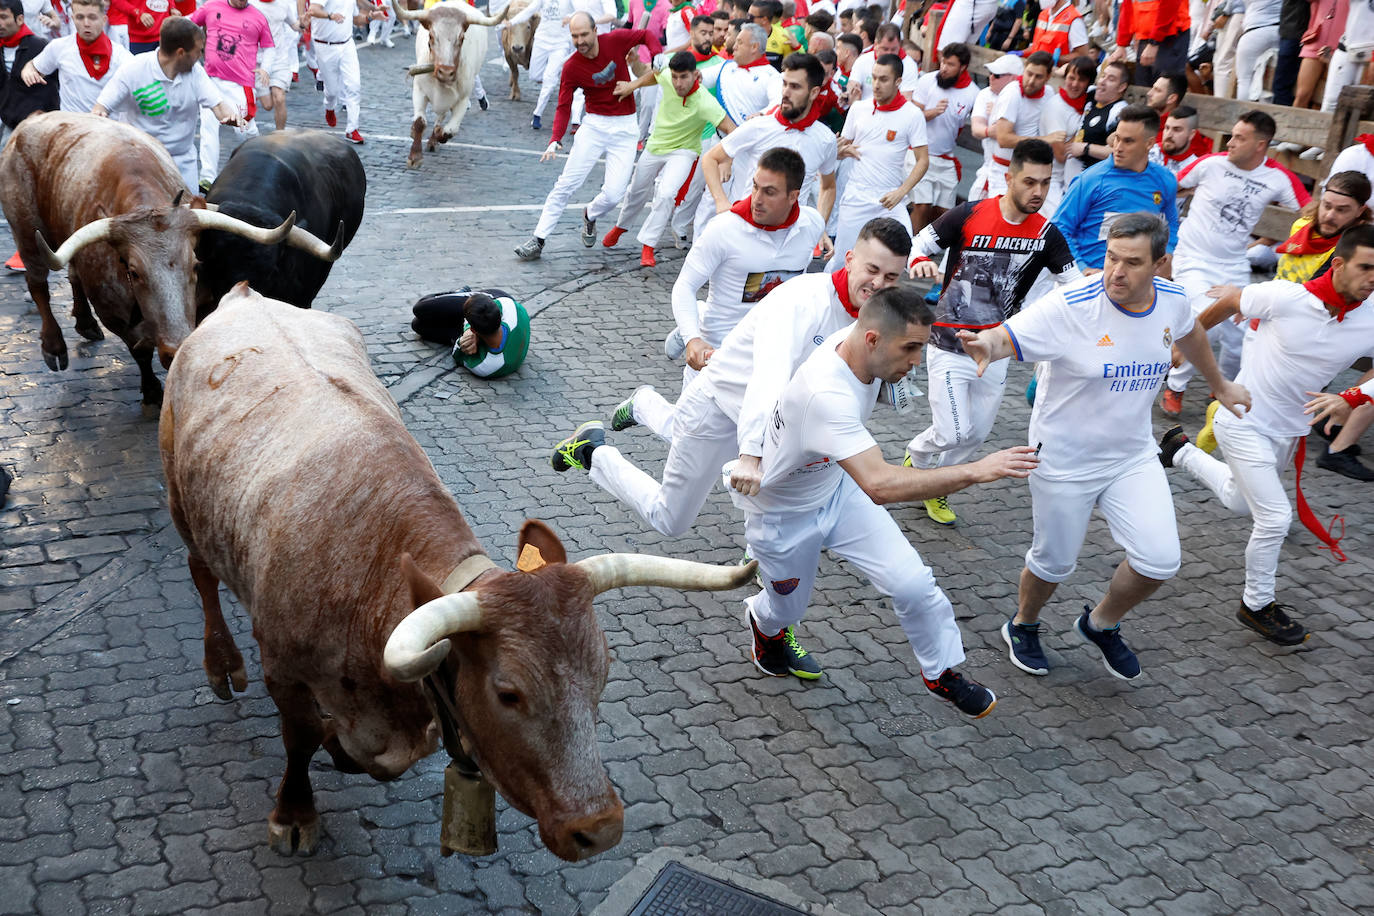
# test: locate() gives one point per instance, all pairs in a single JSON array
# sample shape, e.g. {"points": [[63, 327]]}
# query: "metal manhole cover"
{"points": [[680, 891]]}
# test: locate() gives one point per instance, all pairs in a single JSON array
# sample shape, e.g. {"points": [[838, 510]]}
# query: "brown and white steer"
{"points": [[107, 194], [450, 48], [294, 482], [517, 41]]}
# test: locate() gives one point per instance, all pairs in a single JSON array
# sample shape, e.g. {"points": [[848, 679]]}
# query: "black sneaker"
{"points": [[483, 103], [781, 655], [1273, 623], [969, 697], [1117, 657], [576, 450], [1345, 463], [1353, 450], [1174, 438], [588, 230], [1023, 641]]}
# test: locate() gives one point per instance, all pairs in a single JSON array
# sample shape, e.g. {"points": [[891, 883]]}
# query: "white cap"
{"points": [[1006, 65]]}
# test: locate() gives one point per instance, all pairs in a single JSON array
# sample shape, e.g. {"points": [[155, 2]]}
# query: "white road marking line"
{"points": [[475, 209], [493, 149]]}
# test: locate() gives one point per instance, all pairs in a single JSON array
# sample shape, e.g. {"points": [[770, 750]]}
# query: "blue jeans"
{"points": [[1286, 70]]}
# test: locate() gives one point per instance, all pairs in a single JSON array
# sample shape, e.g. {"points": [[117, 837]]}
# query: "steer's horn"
{"points": [[619, 570], [402, 13], [489, 20], [213, 219], [420, 642], [89, 234], [311, 244]]}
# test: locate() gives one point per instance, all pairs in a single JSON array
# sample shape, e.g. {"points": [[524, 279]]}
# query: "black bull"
{"points": [[317, 175]]}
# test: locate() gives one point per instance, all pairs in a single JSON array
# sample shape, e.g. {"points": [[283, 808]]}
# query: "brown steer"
{"points": [[107, 194], [294, 482], [517, 42]]}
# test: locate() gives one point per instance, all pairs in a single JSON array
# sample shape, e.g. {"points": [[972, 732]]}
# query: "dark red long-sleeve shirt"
{"points": [[596, 77]]}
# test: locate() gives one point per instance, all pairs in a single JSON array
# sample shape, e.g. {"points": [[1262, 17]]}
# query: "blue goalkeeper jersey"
{"points": [[1104, 192]]}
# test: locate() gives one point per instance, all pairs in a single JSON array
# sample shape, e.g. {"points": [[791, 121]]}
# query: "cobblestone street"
{"points": [[1232, 777]]}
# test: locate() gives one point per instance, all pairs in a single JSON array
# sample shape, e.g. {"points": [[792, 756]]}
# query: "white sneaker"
{"points": [[389, 43], [1313, 154], [674, 345], [1289, 147]]}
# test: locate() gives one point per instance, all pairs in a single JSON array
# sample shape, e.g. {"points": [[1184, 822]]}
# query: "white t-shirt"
{"points": [[679, 28], [1355, 158], [748, 142], [1359, 26], [77, 89], [882, 138], [942, 130], [743, 263], [1103, 370], [1058, 117], [280, 17], [748, 371], [1023, 113], [743, 91], [817, 423], [1298, 347], [167, 108], [982, 108], [327, 29], [594, 8], [1227, 204], [862, 74]]}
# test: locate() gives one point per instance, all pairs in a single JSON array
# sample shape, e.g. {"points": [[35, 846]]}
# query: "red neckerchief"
{"points": [[13, 40], [1324, 288], [761, 62], [699, 57], [1306, 241], [695, 87], [96, 55], [744, 211], [1368, 141], [964, 81], [841, 280], [898, 101], [1023, 90], [811, 116], [1076, 104], [826, 102]]}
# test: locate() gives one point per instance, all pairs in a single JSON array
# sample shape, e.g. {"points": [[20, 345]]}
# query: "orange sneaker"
{"points": [[646, 257], [14, 263], [612, 237], [1172, 404]]}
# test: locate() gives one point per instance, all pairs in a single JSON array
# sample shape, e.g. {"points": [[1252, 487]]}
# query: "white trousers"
{"points": [[1248, 482], [342, 80], [120, 33], [1224, 58], [1341, 72], [1249, 50], [850, 525], [554, 58], [853, 214], [210, 126], [963, 408], [659, 176], [1196, 276], [704, 439], [966, 19], [1138, 508], [613, 136], [546, 45], [380, 29]]}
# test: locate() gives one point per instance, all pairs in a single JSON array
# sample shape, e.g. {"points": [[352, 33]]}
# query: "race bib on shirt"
{"points": [[158, 6]]}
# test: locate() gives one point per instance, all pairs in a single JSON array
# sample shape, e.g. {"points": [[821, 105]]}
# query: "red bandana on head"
{"points": [[743, 208], [13, 40], [1076, 104], [812, 114], [1324, 288], [1368, 141], [1027, 95], [841, 280], [96, 55]]}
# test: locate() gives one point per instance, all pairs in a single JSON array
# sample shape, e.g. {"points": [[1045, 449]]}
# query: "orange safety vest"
{"points": [[1052, 32]]}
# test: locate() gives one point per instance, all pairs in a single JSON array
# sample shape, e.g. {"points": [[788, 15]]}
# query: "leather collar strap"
{"points": [[466, 572], [442, 682]]}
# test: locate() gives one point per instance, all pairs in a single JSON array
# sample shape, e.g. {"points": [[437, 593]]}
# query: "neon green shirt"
{"points": [[679, 122]]}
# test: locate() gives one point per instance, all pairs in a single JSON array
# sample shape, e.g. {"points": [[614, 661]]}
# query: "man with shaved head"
{"points": [[609, 127]]}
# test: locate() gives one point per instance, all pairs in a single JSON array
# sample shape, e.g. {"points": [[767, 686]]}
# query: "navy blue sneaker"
{"points": [[534, 122], [1117, 657], [1023, 644], [969, 697]]}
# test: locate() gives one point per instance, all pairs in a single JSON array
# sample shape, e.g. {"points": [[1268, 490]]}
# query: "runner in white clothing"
{"points": [[1106, 341], [795, 124], [1016, 116], [766, 239], [1002, 72], [1307, 334], [947, 97], [277, 62], [823, 486], [331, 31], [1357, 158], [724, 411], [878, 133], [1230, 193], [887, 41], [83, 61], [1060, 120]]}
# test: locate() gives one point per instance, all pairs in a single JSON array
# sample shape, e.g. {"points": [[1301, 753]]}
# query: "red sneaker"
{"points": [[612, 237], [354, 137], [14, 263], [329, 118], [646, 257], [1172, 404], [295, 77]]}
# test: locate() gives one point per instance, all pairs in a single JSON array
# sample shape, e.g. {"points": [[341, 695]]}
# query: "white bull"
{"points": [[449, 50]]}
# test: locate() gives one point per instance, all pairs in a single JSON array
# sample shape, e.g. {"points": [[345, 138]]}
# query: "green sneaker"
{"points": [[906, 460], [624, 416], [939, 511], [576, 450]]}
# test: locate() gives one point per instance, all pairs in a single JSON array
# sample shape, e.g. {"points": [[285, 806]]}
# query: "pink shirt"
{"points": [[232, 39]]}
